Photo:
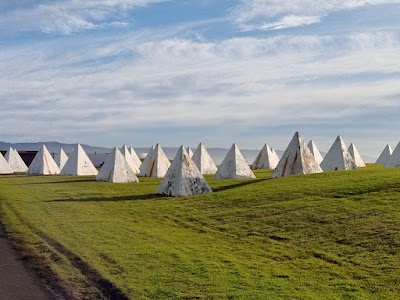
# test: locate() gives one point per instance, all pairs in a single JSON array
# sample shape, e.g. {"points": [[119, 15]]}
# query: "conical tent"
{"points": [[158, 164], [135, 158], [338, 157], [234, 166], [5, 168], [275, 154], [145, 162], [79, 163], [314, 150], [43, 163], [297, 159], [394, 160], [385, 155], [190, 152], [203, 160], [356, 156], [183, 178], [15, 161], [265, 159], [130, 160], [60, 158], [116, 169]]}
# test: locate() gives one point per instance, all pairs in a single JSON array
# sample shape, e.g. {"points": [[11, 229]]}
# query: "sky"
{"points": [[138, 72]]}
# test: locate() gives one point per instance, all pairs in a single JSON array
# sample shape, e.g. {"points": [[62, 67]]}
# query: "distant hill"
{"points": [[51, 146]]}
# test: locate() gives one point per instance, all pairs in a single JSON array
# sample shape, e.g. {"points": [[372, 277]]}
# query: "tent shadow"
{"points": [[65, 181], [244, 183], [109, 199]]}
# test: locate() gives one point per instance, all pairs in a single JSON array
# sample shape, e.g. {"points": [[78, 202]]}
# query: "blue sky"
{"points": [[138, 72]]}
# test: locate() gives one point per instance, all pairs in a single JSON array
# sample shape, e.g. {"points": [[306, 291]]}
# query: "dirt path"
{"points": [[17, 282]]}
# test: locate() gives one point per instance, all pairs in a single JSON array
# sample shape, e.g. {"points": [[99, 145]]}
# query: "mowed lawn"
{"points": [[333, 235]]}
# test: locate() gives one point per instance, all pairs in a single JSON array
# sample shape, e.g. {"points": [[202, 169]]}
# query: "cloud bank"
{"points": [[70, 16], [175, 82], [167, 85], [280, 14]]}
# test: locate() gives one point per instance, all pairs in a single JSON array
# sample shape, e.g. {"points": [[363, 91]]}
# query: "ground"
{"points": [[332, 235]]}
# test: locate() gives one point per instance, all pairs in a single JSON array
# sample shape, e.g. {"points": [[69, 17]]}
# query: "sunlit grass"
{"points": [[324, 236]]}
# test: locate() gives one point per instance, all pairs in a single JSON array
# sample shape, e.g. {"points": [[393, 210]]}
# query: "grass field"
{"points": [[332, 235]]}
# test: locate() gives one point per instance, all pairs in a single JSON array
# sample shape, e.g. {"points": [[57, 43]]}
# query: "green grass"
{"points": [[332, 235]]}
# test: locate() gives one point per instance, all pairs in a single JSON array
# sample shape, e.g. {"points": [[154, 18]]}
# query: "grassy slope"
{"points": [[323, 236]]}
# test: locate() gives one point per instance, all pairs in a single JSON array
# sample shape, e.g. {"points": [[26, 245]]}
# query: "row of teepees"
{"points": [[156, 164], [390, 158], [184, 177], [44, 164], [300, 158]]}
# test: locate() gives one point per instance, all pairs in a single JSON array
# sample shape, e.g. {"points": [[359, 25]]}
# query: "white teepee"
{"points": [[5, 168], [61, 158], [145, 162], [297, 159], [275, 154], [394, 160], [130, 160], [265, 159], [158, 164], [79, 163], [183, 178], [314, 150], [15, 161], [190, 152], [43, 163], [338, 157], [234, 166], [135, 158], [385, 155], [203, 160], [356, 156], [116, 169]]}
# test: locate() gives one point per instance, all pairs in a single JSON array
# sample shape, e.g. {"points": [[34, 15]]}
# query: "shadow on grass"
{"points": [[149, 196], [109, 199], [64, 181], [240, 184]]}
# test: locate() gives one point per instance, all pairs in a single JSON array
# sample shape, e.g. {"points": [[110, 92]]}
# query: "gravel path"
{"points": [[17, 282]]}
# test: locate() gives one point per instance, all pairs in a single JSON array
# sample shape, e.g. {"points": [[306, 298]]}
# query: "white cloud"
{"points": [[246, 79], [68, 16], [57, 87], [140, 80], [279, 14], [288, 21]]}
